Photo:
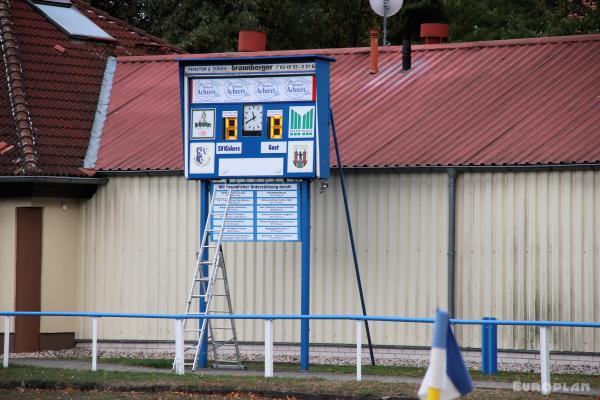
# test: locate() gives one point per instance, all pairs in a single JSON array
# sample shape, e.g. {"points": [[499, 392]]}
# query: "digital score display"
{"points": [[256, 117]]}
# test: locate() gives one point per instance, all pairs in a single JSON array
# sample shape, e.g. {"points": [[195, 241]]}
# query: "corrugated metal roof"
{"points": [[511, 102], [62, 78]]}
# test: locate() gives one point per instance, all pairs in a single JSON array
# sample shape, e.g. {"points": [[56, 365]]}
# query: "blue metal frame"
{"points": [[320, 140], [202, 361], [251, 145], [305, 275]]}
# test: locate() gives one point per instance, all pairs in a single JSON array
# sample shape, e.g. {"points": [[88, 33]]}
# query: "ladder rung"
{"points": [[227, 342], [201, 279], [209, 246], [205, 262], [197, 296], [223, 344]]}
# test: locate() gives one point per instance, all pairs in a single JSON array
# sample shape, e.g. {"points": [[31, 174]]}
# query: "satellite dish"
{"points": [[393, 6], [386, 8]]}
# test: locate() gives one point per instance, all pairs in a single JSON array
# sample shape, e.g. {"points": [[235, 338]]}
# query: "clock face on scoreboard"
{"points": [[253, 119]]}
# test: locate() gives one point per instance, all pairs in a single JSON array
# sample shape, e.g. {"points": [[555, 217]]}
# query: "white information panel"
{"points": [[258, 212]]}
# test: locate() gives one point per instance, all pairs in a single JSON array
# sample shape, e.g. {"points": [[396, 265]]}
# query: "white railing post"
{"points": [[94, 343], [358, 351], [6, 341], [179, 361], [268, 348], [545, 360]]}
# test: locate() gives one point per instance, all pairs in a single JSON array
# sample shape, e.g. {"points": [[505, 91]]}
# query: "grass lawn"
{"points": [[20, 382], [502, 376]]}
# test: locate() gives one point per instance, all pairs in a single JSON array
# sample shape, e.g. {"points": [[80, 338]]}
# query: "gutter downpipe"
{"points": [[452, 174]]}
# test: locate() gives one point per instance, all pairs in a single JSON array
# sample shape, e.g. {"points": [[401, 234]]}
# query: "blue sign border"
{"points": [[321, 147]]}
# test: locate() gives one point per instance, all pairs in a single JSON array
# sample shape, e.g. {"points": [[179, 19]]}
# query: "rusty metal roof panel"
{"points": [[511, 102]]}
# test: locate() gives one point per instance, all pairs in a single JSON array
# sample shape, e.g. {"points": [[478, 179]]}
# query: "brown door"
{"points": [[29, 277]]}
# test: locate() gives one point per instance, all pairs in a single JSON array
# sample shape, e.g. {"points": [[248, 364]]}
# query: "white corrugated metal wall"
{"points": [[140, 236], [528, 247]]}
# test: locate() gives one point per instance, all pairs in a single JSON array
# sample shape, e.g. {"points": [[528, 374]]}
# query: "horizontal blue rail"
{"points": [[382, 318]]}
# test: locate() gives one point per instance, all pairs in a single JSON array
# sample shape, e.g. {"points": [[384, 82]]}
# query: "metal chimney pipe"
{"points": [[406, 55], [374, 34], [252, 41]]}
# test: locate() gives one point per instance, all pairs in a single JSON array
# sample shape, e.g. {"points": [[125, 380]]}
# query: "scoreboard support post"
{"points": [[202, 361], [305, 275]]}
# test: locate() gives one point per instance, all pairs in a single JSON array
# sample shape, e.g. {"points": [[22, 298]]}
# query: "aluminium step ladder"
{"points": [[210, 285]]}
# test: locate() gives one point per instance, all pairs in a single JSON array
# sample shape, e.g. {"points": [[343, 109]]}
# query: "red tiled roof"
{"points": [[512, 102], [62, 79]]}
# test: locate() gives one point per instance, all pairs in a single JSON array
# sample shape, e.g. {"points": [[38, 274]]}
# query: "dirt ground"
{"points": [[69, 394], [72, 394]]}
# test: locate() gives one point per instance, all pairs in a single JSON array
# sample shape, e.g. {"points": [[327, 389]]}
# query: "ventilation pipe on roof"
{"points": [[435, 33], [406, 55], [252, 41], [374, 34]]}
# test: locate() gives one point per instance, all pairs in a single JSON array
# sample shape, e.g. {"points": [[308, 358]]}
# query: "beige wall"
{"points": [[60, 257]]}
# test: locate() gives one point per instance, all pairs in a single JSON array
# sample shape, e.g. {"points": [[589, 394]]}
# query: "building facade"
{"points": [[472, 186]]}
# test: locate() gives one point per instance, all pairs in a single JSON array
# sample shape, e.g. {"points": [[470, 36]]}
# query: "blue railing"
{"points": [[488, 325], [381, 318]]}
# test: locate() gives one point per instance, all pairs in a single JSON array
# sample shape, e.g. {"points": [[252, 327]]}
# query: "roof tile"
{"points": [[62, 87]]}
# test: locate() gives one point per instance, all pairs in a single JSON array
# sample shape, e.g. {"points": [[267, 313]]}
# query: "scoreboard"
{"points": [[259, 117]]}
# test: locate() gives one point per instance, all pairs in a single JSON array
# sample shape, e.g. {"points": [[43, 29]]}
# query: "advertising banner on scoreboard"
{"points": [[258, 212], [249, 90]]}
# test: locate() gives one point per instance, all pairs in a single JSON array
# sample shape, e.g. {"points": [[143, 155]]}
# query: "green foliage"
{"points": [[473, 20], [212, 25]]}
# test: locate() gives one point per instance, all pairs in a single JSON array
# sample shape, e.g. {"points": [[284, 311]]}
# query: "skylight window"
{"points": [[70, 20]]}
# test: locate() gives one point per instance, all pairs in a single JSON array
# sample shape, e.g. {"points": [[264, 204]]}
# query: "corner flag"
{"points": [[447, 377]]}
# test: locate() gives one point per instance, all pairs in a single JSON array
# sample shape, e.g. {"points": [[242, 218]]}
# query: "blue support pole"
{"points": [[202, 361], [489, 347], [305, 273], [484, 347], [493, 359]]}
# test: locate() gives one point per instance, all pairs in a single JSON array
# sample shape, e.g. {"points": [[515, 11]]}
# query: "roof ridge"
{"points": [[16, 92], [383, 49], [508, 42], [130, 27]]}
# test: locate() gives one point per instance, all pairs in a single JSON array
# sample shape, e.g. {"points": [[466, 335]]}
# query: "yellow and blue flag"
{"points": [[447, 377]]}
